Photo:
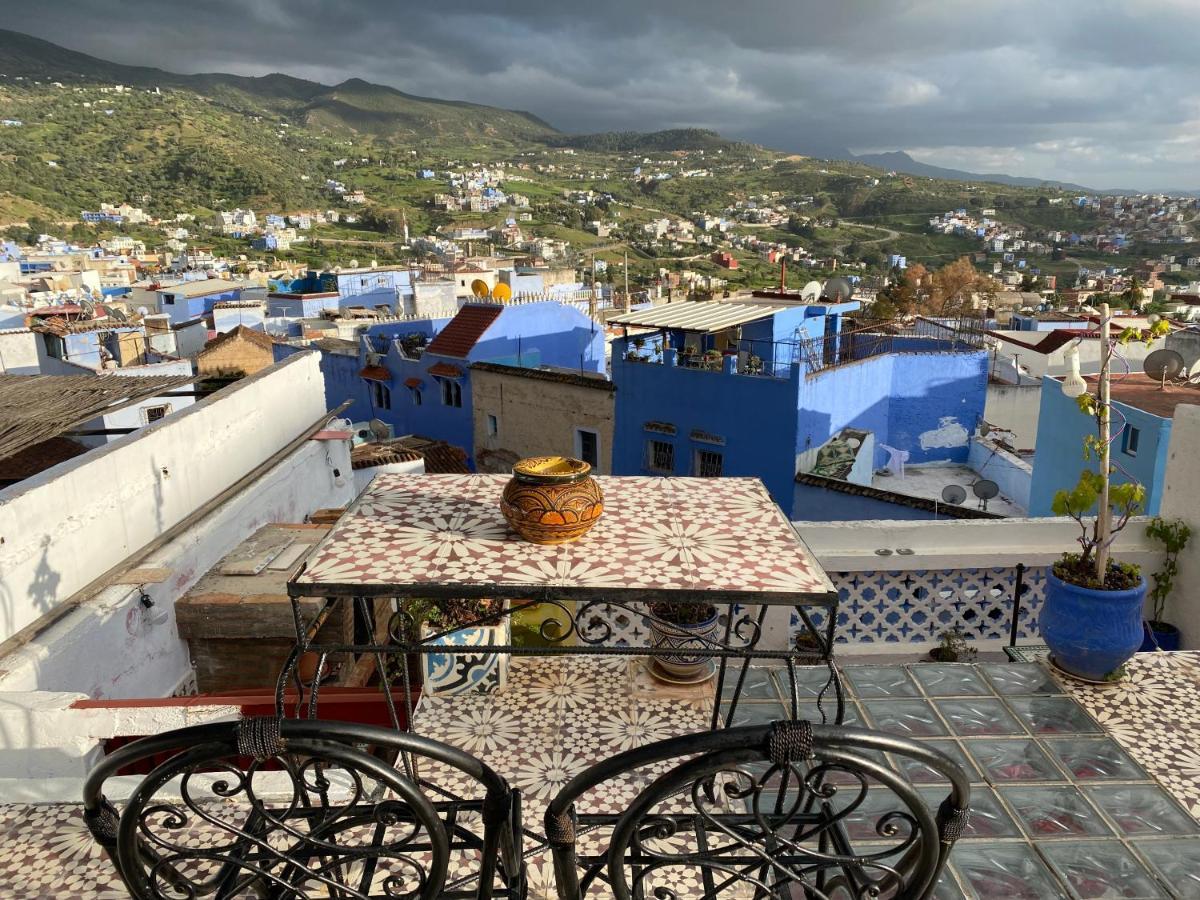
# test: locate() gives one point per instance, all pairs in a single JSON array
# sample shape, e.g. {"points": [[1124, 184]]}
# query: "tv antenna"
{"points": [[1162, 365], [985, 489], [954, 493]]}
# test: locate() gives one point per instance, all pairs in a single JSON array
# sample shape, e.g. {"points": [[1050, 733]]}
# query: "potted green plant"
{"points": [[1174, 536], [679, 627], [712, 359], [953, 647], [1092, 616], [461, 623]]}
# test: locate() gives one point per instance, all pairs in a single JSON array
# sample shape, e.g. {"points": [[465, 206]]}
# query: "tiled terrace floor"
{"points": [[1079, 791]]}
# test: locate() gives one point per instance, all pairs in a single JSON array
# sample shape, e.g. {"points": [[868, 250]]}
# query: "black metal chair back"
{"points": [[785, 810], [288, 808]]}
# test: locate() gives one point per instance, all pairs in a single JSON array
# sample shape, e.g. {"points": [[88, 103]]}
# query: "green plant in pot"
{"points": [[681, 628], [1092, 617], [1174, 535]]}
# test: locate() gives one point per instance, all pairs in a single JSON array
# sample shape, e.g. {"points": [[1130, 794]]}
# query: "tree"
{"points": [[955, 287]]}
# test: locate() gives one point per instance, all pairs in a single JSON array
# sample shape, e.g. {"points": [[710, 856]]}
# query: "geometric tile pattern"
{"points": [[438, 533], [1068, 782], [915, 607]]}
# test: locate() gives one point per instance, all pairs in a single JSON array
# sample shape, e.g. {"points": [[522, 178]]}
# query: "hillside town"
{"points": [[407, 497]]}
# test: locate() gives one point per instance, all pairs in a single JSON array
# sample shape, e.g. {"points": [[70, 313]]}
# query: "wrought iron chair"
{"points": [[786, 810], [265, 807]]}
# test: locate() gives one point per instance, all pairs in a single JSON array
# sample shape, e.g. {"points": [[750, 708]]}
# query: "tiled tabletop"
{"points": [[1077, 791], [709, 538]]}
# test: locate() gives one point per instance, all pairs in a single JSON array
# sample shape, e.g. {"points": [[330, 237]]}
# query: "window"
{"points": [[493, 425], [381, 394], [1129, 440], [416, 395], [587, 446], [708, 464], [660, 457], [451, 392], [154, 413], [169, 299]]}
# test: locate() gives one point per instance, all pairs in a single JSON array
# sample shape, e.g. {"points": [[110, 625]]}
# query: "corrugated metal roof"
{"points": [[705, 316]]}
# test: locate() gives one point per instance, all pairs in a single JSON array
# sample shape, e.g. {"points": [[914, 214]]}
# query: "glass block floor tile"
{"points": [[757, 712], [1177, 862], [950, 680], [1020, 678], [979, 716], [989, 819], [907, 718], [1142, 809], [880, 681], [919, 773], [1021, 759], [1054, 812], [759, 685], [1053, 715], [1094, 759], [811, 681], [1101, 869], [828, 708], [1004, 872]]}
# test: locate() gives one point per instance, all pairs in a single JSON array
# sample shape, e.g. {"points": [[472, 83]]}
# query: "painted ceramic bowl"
{"points": [[551, 499]]}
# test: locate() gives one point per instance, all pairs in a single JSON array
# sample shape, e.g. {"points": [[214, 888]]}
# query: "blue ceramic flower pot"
{"points": [[1091, 633], [1159, 636]]}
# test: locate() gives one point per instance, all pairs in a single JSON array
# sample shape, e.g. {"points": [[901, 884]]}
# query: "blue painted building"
{"points": [[1047, 321], [1141, 410], [301, 306], [416, 374], [340, 365], [193, 299], [747, 387]]}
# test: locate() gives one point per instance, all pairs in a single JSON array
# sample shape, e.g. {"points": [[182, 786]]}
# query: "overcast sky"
{"points": [[1102, 93]]}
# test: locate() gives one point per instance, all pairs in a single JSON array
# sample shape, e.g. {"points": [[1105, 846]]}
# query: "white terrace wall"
{"points": [[1181, 500], [65, 527]]}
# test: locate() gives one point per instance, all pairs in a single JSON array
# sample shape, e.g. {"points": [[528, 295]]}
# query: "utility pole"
{"points": [[626, 264], [1104, 523]]}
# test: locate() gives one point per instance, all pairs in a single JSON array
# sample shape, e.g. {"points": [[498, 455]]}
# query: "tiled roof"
{"points": [[582, 379], [462, 332], [38, 458], [440, 458], [382, 453], [241, 332], [445, 370], [375, 373], [412, 382]]}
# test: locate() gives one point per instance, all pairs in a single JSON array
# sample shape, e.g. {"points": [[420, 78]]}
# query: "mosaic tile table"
{"points": [[1080, 791], [713, 539]]}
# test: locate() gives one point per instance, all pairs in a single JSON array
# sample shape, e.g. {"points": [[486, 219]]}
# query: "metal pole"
{"points": [[1104, 524], [1018, 592]]}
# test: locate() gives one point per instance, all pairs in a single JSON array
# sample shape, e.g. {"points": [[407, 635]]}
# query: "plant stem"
{"points": [[1105, 513]]}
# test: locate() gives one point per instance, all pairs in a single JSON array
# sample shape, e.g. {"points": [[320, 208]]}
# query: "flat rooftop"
{"points": [[1147, 394], [930, 481]]}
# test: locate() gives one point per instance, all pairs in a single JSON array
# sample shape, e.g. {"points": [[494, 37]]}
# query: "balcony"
{"points": [[1076, 790]]}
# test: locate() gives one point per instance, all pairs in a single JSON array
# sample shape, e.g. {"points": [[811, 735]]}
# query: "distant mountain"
{"points": [[899, 161], [636, 141], [355, 104]]}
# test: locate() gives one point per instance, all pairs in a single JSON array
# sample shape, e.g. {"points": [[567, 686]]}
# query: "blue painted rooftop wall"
{"points": [[1059, 459], [342, 382], [530, 335], [300, 306], [754, 417], [815, 504]]}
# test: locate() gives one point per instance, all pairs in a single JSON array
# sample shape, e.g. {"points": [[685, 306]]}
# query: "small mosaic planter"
{"points": [[484, 671]]}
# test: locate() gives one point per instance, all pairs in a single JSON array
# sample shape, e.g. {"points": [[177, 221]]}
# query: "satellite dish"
{"points": [[117, 314], [985, 489], [380, 429], [1162, 365], [811, 291], [954, 493], [502, 292], [838, 289], [143, 311], [479, 288]]}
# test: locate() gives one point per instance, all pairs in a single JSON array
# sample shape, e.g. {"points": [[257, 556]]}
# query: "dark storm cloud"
{"points": [[1098, 92]]}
